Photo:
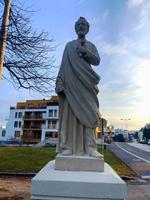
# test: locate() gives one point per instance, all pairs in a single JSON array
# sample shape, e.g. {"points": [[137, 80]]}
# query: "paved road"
{"points": [[144, 147], [135, 158]]}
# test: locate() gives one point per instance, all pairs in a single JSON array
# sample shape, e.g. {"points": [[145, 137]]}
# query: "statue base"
{"points": [[79, 163], [52, 184]]}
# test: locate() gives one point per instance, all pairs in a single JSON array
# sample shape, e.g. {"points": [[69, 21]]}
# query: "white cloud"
{"points": [[126, 83], [98, 20], [122, 47], [114, 114], [105, 15], [79, 3], [110, 49], [143, 12], [95, 21], [140, 96], [144, 17], [134, 3], [142, 79]]}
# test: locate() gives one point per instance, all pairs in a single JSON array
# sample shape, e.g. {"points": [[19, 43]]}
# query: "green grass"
{"points": [[30, 159], [24, 159], [115, 163]]}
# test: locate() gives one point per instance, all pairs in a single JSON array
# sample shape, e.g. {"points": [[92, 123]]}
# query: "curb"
{"points": [[17, 173]]}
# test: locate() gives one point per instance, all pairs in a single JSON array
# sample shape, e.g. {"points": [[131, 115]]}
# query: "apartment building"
{"points": [[33, 121], [36, 121]]}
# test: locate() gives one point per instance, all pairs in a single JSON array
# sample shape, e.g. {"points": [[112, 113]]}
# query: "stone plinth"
{"points": [[79, 163], [51, 184]]}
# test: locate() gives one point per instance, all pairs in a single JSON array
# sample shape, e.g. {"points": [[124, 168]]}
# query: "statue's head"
{"points": [[82, 27]]}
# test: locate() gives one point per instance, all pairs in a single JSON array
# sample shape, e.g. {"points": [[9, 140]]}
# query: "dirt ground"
{"points": [[15, 188], [19, 188]]}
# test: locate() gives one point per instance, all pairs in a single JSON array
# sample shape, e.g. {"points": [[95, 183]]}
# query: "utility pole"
{"points": [[3, 33], [102, 127]]}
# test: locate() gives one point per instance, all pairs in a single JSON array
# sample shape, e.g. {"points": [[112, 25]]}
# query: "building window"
{"points": [[55, 113], [3, 133], [17, 133], [49, 135], [98, 135], [55, 135], [15, 124], [54, 123], [19, 124], [16, 115], [50, 113], [20, 115]]}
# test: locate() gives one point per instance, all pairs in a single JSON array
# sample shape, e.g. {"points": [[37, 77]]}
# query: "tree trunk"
{"points": [[3, 33]]}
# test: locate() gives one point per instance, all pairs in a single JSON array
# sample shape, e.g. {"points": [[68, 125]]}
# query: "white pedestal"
{"points": [[51, 184], [79, 163]]}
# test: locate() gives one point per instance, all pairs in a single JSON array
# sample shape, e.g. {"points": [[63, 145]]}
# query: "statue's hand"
{"points": [[59, 91], [81, 49], [59, 86]]}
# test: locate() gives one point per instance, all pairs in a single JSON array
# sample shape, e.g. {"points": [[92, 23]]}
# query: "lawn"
{"points": [[30, 159], [24, 159], [116, 164]]}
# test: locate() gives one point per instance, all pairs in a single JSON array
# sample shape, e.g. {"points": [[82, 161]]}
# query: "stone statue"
{"points": [[76, 86]]}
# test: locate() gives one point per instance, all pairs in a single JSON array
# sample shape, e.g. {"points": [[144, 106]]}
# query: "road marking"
{"points": [[145, 177], [147, 161], [140, 146]]}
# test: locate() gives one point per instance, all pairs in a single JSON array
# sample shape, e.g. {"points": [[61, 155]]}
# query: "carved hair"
{"points": [[82, 19]]}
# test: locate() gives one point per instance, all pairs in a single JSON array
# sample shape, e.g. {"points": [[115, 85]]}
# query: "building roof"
{"points": [[43, 103]]}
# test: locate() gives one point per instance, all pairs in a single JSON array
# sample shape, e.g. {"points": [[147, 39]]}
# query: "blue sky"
{"points": [[120, 30]]}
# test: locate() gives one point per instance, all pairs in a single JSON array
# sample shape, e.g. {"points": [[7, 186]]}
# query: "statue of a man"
{"points": [[76, 86]]}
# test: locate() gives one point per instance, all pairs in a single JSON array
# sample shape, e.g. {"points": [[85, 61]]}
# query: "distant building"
{"points": [[33, 121], [36, 121], [119, 131]]}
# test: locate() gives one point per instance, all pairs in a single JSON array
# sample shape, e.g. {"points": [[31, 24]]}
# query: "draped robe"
{"points": [[76, 86]]}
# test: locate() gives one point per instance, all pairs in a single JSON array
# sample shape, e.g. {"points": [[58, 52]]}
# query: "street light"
{"points": [[102, 124]]}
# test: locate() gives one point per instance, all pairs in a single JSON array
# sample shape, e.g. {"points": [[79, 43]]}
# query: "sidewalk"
{"points": [[138, 192], [143, 147]]}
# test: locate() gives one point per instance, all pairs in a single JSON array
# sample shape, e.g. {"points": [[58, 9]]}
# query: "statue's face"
{"points": [[81, 28]]}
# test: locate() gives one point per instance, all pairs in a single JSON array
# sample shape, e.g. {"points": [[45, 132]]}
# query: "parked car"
{"points": [[148, 142], [142, 142], [120, 138]]}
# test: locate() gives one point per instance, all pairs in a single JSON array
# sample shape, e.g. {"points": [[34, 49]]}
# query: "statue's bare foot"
{"points": [[67, 152], [95, 154]]}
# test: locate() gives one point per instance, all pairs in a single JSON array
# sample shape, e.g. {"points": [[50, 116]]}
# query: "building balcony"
{"points": [[50, 127], [31, 118], [45, 116], [32, 127], [30, 140]]}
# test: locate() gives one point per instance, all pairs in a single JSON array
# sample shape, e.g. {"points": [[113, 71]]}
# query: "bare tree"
{"points": [[28, 60]]}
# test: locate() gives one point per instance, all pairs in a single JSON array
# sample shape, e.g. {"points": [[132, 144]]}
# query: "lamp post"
{"points": [[103, 125]]}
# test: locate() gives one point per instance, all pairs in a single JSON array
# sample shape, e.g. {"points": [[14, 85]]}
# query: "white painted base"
{"points": [[51, 184], [79, 163]]}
